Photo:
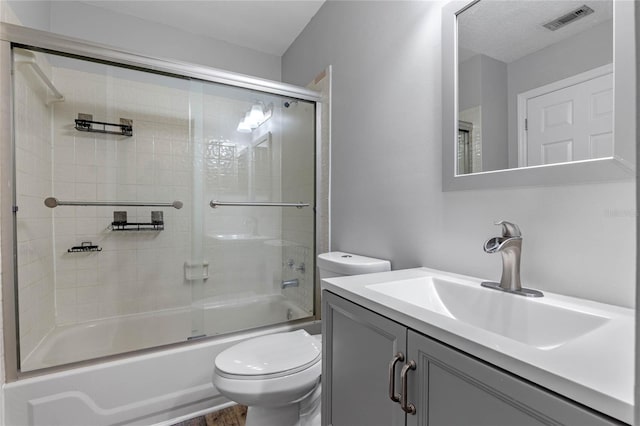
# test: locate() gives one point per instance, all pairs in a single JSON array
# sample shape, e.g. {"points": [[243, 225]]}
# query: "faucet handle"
{"points": [[509, 229]]}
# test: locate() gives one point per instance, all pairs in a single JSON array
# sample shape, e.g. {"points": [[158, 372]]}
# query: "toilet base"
{"points": [[303, 413], [271, 416]]}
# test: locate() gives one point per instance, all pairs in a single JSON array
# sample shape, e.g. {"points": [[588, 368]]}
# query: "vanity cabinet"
{"points": [[446, 387]]}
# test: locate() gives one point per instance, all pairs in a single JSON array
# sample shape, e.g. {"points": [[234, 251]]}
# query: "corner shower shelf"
{"points": [[120, 226], [85, 246], [85, 123], [120, 222]]}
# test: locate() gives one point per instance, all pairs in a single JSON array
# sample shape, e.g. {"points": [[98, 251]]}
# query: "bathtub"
{"points": [[142, 389]]}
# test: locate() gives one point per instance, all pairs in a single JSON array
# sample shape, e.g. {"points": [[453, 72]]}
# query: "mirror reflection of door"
{"points": [[570, 121]]}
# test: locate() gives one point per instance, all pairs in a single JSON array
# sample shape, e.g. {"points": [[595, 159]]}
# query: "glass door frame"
{"points": [[18, 36]]}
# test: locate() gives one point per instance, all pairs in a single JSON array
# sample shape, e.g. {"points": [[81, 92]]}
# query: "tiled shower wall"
{"points": [[33, 171], [144, 271], [135, 271]]}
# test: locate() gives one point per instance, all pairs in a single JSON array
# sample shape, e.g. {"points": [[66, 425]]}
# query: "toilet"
{"points": [[278, 375]]}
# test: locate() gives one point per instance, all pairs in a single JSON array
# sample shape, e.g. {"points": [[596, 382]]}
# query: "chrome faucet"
{"points": [[510, 247]]}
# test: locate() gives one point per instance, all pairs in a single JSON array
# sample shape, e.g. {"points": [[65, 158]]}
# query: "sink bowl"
{"points": [[540, 323]]}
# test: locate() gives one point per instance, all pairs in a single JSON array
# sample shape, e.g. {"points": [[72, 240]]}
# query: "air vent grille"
{"points": [[560, 22]]}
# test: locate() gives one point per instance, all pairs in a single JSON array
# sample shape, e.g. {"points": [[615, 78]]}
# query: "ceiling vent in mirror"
{"points": [[560, 22]]}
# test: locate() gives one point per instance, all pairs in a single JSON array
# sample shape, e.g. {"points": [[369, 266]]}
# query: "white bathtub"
{"points": [[140, 389]]}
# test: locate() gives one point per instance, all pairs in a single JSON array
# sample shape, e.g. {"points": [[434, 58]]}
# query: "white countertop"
{"points": [[596, 369]]}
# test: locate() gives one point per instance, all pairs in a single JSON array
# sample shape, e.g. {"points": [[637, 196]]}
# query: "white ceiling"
{"points": [[264, 25], [509, 30]]}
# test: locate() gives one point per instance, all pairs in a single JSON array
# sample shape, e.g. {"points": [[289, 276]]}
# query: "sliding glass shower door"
{"points": [[118, 245], [257, 190]]}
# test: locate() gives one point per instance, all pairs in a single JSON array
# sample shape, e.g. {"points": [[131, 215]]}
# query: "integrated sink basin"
{"points": [[581, 349], [539, 323]]}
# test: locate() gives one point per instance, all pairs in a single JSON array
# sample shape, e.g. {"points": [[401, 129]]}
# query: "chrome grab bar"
{"points": [[216, 203], [52, 202], [406, 407], [392, 376]]}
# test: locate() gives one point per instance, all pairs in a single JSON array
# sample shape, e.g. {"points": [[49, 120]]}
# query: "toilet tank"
{"points": [[337, 264]]}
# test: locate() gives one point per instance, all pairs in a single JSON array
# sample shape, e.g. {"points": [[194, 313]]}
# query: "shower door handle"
{"points": [[215, 203], [392, 376]]}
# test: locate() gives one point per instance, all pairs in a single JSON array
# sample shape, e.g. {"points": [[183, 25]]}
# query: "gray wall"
{"points": [[494, 115], [585, 51], [481, 81], [33, 14], [75, 19], [386, 165], [469, 83]]}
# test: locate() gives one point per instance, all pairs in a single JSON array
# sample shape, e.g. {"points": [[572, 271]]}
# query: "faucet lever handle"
{"points": [[509, 229]]}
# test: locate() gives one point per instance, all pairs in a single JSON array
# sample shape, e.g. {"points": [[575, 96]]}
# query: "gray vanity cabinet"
{"points": [[447, 387], [357, 345], [453, 388]]}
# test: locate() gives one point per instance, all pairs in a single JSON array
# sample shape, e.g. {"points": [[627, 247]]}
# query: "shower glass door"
{"points": [[257, 158], [118, 248]]}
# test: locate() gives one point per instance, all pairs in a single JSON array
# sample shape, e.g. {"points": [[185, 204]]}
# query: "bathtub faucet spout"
{"points": [[289, 283]]}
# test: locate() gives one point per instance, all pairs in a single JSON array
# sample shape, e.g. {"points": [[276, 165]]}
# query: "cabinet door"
{"points": [[356, 350], [449, 387]]}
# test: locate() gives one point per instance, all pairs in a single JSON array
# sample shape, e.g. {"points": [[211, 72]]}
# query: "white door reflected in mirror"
{"points": [[571, 120]]}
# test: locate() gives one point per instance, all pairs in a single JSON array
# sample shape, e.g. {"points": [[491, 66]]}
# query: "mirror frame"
{"points": [[619, 167]]}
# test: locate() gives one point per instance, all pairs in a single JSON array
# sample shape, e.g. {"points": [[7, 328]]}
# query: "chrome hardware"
{"points": [[216, 203], [510, 247], [406, 407], [292, 265], [392, 376], [290, 283], [52, 202]]}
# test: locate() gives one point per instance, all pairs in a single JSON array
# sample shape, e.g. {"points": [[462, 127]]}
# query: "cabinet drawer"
{"points": [[449, 387]]}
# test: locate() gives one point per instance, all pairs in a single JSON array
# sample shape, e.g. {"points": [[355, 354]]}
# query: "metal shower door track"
{"points": [[30, 38]]}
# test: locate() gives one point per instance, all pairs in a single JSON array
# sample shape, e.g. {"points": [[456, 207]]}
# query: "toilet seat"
{"points": [[271, 356], [269, 371]]}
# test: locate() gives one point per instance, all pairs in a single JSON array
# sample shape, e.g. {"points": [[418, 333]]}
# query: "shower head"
{"points": [[287, 104]]}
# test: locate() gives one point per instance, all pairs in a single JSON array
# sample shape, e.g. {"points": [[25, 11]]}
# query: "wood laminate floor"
{"points": [[231, 416]]}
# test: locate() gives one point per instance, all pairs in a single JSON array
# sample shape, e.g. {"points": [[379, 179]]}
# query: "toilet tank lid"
{"points": [[351, 264], [270, 355]]}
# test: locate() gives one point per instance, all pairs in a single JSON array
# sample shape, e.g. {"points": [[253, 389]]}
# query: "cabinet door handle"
{"points": [[392, 376], [408, 408]]}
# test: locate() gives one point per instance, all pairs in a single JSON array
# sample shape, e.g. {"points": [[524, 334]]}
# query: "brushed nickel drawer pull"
{"points": [[408, 408], [392, 376]]}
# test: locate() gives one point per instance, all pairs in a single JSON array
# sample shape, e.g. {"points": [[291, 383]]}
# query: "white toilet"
{"points": [[278, 375]]}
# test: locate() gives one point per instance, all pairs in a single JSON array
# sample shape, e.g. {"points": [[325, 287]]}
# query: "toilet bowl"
{"points": [[277, 376]]}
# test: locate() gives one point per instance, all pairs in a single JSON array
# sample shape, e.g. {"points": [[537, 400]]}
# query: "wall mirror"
{"points": [[537, 92]]}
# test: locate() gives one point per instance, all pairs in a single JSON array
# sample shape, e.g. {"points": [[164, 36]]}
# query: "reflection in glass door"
{"points": [[258, 159]]}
